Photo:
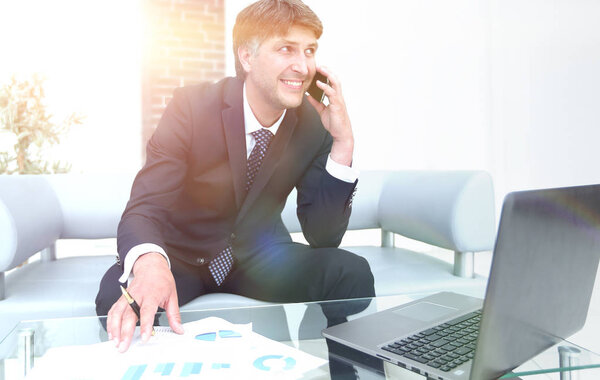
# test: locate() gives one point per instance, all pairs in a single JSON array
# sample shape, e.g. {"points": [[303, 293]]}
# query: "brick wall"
{"points": [[184, 43]]}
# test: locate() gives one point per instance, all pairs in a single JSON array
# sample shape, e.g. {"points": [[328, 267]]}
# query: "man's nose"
{"points": [[300, 65]]}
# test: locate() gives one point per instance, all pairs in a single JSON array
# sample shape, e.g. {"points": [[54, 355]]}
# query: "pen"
{"points": [[133, 304]]}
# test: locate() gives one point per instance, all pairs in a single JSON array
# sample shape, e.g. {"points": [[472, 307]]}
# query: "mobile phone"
{"points": [[314, 90]]}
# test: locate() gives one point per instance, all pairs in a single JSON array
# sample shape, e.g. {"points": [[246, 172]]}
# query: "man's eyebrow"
{"points": [[283, 41]]}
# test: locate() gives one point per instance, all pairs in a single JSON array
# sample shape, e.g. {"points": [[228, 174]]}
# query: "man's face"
{"points": [[280, 71]]}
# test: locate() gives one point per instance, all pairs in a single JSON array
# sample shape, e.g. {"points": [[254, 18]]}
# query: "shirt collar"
{"points": [[251, 123]]}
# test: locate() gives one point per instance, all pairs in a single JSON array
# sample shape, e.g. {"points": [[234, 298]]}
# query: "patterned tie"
{"points": [[220, 266], [263, 139]]}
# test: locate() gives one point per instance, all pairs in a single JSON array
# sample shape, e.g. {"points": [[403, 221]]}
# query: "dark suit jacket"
{"points": [[189, 197]]}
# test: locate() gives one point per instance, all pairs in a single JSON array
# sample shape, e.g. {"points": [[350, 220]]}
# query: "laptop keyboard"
{"points": [[445, 346]]}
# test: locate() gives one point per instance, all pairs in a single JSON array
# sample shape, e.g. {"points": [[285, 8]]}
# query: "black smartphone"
{"points": [[314, 90]]}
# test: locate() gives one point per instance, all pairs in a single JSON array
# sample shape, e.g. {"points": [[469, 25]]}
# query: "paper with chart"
{"points": [[211, 348]]}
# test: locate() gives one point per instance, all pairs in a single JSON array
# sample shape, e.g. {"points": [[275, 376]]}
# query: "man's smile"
{"points": [[293, 83]]}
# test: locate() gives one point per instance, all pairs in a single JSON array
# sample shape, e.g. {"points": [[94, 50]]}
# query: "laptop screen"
{"points": [[543, 270]]}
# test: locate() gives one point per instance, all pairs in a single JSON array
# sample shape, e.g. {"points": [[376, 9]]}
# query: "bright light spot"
{"points": [[90, 53]]}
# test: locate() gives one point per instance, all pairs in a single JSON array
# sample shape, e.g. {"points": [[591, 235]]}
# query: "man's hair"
{"points": [[270, 18]]}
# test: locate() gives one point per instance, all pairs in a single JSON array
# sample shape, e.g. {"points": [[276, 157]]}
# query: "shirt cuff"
{"points": [[134, 253], [341, 172]]}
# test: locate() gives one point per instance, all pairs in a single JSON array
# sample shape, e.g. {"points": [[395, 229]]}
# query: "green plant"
{"points": [[25, 120]]}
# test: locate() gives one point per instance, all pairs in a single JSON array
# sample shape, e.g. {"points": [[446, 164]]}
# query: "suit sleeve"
{"points": [[159, 183], [324, 202]]}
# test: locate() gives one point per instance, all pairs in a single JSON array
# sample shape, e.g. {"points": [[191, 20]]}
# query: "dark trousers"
{"points": [[283, 272]]}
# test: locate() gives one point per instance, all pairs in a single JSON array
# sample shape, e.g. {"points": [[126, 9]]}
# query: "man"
{"points": [[205, 210]]}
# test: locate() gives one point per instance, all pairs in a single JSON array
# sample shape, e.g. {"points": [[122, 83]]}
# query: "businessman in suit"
{"points": [[205, 210]]}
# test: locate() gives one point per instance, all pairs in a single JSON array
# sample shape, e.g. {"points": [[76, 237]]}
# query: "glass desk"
{"points": [[297, 325]]}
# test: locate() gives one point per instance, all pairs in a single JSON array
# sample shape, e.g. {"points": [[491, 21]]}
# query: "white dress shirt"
{"points": [[251, 124]]}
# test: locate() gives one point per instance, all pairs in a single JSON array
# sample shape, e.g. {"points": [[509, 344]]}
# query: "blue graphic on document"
{"points": [[134, 372], [223, 334], [208, 337], [275, 361], [190, 369], [164, 369], [229, 334], [221, 365]]}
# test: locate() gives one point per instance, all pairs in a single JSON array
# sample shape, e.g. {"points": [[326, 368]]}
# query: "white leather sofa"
{"points": [[452, 210]]}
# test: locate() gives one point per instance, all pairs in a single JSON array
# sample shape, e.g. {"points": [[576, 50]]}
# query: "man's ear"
{"points": [[245, 56]]}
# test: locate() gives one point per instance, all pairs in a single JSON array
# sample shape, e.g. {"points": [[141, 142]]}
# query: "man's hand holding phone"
{"points": [[334, 116], [314, 90]]}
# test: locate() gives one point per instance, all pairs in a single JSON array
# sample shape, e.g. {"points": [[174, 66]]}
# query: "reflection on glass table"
{"points": [[296, 325]]}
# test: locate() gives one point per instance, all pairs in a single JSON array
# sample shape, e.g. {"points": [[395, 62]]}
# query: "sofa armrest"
{"points": [[450, 209], [30, 218]]}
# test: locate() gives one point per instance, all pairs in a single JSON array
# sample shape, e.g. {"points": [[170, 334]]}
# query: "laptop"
{"points": [[541, 280]]}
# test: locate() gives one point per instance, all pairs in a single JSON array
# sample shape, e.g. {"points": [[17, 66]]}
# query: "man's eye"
{"points": [[285, 49], [309, 51]]}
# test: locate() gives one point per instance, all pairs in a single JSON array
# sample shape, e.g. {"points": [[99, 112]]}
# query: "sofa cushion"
{"points": [[61, 288], [221, 300], [401, 271]]}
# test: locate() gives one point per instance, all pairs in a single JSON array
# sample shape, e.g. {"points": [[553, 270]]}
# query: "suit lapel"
{"points": [[235, 135], [281, 140]]}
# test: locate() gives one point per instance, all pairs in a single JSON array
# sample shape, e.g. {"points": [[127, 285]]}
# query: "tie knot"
{"points": [[263, 135]]}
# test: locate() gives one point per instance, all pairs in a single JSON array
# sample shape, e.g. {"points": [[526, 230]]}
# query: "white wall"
{"points": [[415, 77], [90, 54], [508, 86], [546, 92]]}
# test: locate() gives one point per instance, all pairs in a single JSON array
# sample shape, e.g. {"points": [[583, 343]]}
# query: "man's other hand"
{"points": [[153, 286]]}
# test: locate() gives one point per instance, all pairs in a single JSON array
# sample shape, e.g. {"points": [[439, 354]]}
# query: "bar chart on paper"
{"points": [[210, 348], [134, 372], [190, 369], [185, 369], [163, 370]]}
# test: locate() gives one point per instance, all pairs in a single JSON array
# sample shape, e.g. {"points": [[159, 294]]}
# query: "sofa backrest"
{"points": [[365, 207], [449, 209], [36, 210], [452, 210], [91, 205]]}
